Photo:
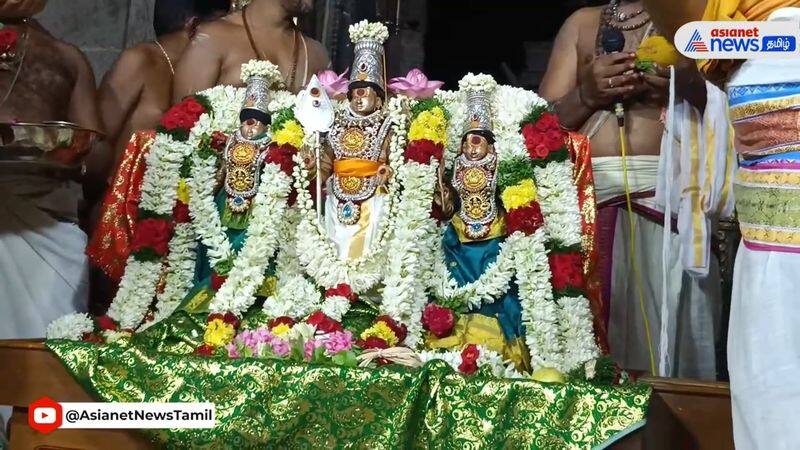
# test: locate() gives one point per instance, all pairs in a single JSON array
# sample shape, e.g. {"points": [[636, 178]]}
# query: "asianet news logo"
{"points": [[738, 40]]}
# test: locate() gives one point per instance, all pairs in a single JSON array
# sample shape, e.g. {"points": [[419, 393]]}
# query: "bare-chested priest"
{"points": [[138, 88], [585, 83], [132, 97], [264, 30], [43, 266]]}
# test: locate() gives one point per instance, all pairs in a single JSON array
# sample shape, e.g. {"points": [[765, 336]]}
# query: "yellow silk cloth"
{"points": [[483, 330], [355, 167], [727, 10]]}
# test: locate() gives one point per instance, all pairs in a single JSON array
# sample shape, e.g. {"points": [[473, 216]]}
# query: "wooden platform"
{"points": [[683, 414]]}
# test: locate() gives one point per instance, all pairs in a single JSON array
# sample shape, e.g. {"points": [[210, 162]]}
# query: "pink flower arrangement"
{"points": [[310, 346], [335, 85], [338, 341], [414, 85]]}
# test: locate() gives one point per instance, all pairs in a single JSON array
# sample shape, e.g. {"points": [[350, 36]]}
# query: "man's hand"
{"points": [[17, 9], [656, 86], [605, 80]]}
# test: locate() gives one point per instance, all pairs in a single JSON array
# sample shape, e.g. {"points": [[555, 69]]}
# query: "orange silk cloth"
{"points": [[581, 153], [727, 10], [109, 246], [355, 167]]}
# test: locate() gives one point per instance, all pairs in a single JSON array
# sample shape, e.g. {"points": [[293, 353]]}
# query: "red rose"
{"points": [[323, 323], [8, 40], [283, 320], [342, 290], [205, 350], [399, 330], [547, 122], [217, 280], [218, 141], [106, 323], [169, 122], [468, 368], [470, 354], [555, 139], [231, 319], [567, 270], [372, 343], [181, 212], [215, 316], [423, 150], [438, 320], [153, 234], [194, 107], [527, 219], [282, 156]]}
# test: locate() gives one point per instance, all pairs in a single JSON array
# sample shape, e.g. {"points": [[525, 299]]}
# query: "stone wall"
{"points": [[101, 28]]}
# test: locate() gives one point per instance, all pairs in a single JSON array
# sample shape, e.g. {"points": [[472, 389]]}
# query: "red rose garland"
{"points": [[323, 323], [567, 269], [151, 238], [8, 42], [527, 219], [342, 290], [439, 320], [543, 137], [422, 151], [469, 359]]}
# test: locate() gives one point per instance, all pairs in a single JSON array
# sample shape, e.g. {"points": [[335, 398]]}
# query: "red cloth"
{"points": [[110, 243], [581, 153]]}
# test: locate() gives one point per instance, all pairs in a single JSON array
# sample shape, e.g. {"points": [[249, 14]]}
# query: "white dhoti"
{"points": [[43, 268], [353, 241], [692, 333], [764, 335]]}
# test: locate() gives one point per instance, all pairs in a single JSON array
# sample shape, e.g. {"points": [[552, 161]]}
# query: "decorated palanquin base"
{"points": [[469, 328], [276, 404]]}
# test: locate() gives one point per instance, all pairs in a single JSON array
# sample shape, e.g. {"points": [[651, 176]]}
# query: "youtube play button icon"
{"points": [[44, 415]]}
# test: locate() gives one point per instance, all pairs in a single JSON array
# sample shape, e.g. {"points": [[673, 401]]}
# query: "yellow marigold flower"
{"points": [[291, 133], [281, 330], [380, 330], [521, 194], [430, 125], [219, 333], [183, 191], [658, 49]]}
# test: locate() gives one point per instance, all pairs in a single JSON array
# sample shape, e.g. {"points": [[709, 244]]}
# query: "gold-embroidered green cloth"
{"points": [[275, 404]]}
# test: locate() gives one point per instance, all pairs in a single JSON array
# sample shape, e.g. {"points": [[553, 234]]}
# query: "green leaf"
{"points": [[645, 66], [511, 172]]}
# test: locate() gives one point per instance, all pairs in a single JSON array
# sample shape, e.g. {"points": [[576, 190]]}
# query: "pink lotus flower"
{"points": [[280, 347], [414, 85], [338, 341], [335, 85]]}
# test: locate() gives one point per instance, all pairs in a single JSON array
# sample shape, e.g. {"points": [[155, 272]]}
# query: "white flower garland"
{"points": [[404, 296], [577, 332], [262, 69], [294, 297], [317, 254], [237, 293], [477, 83], [368, 31], [500, 367], [159, 193], [455, 103], [72, 326], [493, 283], [335, 307], [180, 273], [558, 198], [539, 311]]}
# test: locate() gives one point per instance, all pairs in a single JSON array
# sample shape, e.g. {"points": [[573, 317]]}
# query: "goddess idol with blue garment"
{"points": [[472, 240]]}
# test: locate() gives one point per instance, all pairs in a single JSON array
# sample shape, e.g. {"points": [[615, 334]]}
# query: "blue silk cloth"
{"points": [[467, 262], [194, 303]]}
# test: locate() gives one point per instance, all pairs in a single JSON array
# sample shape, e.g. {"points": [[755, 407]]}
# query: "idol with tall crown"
{"points": [[473, 238], [358, 145]]}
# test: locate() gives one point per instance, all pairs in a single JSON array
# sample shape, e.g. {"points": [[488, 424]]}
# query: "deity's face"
{"points": [[365, 100], [475, 147], [252, 128], [297, 8]]}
